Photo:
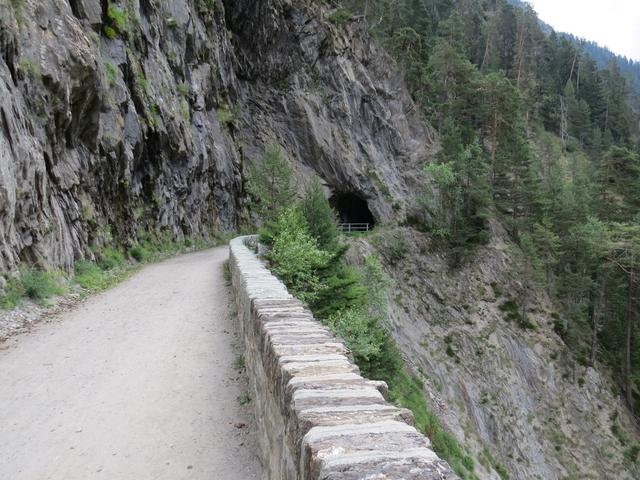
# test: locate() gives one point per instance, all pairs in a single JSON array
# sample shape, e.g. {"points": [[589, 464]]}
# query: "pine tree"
{"points": [[271, 184], [320, 216]]}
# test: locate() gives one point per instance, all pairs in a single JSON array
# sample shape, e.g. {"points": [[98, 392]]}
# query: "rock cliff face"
{"points": [[125, 117]]}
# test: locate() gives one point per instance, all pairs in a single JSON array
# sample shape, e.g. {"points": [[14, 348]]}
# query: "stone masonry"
{"points": [[317, 418]]}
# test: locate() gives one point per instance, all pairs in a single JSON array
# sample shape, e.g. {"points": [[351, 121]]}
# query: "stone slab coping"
{"points": [[338, 424]]}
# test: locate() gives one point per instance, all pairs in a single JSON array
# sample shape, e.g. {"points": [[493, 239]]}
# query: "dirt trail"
{"points": [[136, 383]]}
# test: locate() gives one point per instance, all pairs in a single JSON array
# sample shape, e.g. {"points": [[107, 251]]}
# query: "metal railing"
{"points": [[354, 227]]}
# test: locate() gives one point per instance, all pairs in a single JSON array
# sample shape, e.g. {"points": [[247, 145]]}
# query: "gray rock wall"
{"points": [[317, 417], [105, 137]]}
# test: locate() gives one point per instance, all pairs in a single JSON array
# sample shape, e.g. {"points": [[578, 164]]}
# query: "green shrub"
{"points": [[360, 323], [110, 259], [320, 217], [228, 115], [342, 289], [112, 73], [39, 284], [504, 475], [207, 6], [631, 453], [109, 32], [271, 186], [183, 89], [512, 312], [89, 276], [295, 256], [139, 253], [619, 433], [118, 18], [143, 83], [13, 294], [391, 245], [341, 16], [360, 332], [226, 272]]}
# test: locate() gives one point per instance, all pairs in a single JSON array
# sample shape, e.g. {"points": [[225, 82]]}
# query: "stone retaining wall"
{"points": [[317, 418]]}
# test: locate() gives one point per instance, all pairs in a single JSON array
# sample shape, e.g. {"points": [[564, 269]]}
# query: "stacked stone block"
{"points": [[317, 418]]}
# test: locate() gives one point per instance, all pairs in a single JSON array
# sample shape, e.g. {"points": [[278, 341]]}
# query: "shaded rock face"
{"points": [[104, 138], [334, 100]]}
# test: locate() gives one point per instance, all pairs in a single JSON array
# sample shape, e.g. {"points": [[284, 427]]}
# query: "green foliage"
{"points": [[340, 16], [37, 285], [226, 272], [118, 19], [271, 184], [183, 89], [110, 32], [30, 68], [228, 115], [391, 245], [143, 83], [360, 332], [17, 6], [359, 318], [112, 73], [619, 433], [139, 253], [207, 8], [90, 277], [512, 313], [320, 217], [110, 259], [13, 294], [504, 475], [631, 454], [154, 115], [239, 362], [443, 174], [295, 256]]}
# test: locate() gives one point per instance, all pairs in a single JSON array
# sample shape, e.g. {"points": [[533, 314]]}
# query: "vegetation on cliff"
{"points": [[305, 252], [535, 135]]}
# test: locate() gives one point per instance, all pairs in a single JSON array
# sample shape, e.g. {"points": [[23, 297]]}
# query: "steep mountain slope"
{"points": [[511, 392], [121, 118]]}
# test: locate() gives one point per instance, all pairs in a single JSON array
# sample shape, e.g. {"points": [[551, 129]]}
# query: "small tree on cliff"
{"points": [[320, 216], [271, 184]]}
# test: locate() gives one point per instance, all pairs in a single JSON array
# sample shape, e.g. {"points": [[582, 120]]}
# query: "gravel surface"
{"points": [[139, 382]]}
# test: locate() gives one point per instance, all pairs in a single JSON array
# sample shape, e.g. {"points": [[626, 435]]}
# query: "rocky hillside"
{"points": [[120, 118], [510, 391]]}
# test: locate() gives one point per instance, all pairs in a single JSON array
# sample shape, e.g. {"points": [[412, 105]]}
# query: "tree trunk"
{"points": [[629, 340], [494, 147], [596, 313]]}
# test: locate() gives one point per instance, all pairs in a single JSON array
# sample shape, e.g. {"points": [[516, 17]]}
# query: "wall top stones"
{"points": [[317, 418]]}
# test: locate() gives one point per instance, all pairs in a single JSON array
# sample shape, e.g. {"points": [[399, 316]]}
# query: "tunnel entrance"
{"points": [[353, 212]]}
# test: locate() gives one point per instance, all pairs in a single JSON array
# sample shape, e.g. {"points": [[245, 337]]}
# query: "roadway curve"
{"points": [[136, 383]]}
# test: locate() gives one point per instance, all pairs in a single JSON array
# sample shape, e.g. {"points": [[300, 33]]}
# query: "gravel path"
{"points": [[137, 383]]}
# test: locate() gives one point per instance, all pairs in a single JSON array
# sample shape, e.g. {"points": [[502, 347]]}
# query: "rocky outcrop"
{"points": [[103, 137], [507, 387], [123, 118], [317, 418]]}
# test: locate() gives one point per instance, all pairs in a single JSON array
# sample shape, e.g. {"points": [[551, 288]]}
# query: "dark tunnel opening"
{"points": [[352, 209]]}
